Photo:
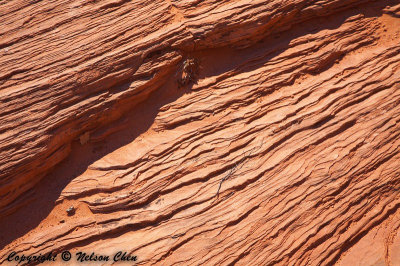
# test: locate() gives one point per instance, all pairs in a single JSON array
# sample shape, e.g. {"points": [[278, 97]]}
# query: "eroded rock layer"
{"points": [[285, 150]]}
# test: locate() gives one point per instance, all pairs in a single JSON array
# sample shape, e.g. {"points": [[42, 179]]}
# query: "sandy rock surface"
{"points": [[282, 146]]}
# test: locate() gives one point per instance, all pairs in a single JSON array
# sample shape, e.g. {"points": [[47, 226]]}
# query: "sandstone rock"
{"points": [[284, 151], [83, 139]]}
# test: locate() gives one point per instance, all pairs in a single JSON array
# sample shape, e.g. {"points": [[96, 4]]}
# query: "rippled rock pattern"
{"points": [[282, 149]]}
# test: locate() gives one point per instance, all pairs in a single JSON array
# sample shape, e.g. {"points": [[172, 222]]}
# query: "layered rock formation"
{"points": [[285, 150]]}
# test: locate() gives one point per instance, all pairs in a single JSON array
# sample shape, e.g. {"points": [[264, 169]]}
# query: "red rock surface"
{"points": [[286, 149]]}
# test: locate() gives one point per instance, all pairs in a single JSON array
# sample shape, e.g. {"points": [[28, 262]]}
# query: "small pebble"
{"points": [[71, 210]]}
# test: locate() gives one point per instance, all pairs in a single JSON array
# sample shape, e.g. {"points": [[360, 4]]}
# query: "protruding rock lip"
{"points": [[285, 153]]}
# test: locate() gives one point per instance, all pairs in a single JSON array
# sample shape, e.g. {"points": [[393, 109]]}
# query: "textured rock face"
{"points": [[285, 150]]}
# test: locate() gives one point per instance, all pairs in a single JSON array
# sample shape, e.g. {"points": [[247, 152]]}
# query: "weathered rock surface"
{"points": [[285, 151]]}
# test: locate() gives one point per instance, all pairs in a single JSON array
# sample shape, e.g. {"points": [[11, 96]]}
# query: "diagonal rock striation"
{"points": [[285, 150]]}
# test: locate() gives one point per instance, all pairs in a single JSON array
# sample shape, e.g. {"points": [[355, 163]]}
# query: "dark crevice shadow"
{"points": [[42, 198], [213, 62], [225, 59]]}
